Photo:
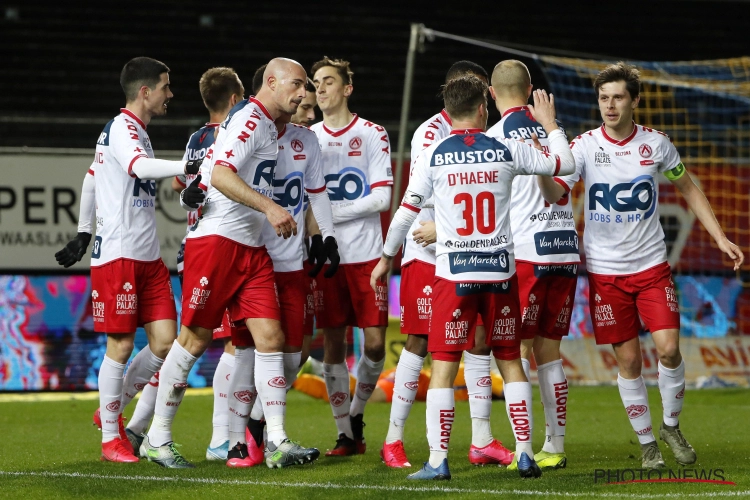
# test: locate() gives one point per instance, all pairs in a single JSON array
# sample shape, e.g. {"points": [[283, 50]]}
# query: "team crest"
{"points": [[355, 143], [635, 411], [337, 398], [297, 145], [645, 151]]}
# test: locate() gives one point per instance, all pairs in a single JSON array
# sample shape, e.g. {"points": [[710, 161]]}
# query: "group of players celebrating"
{"points": [[284, 227]]}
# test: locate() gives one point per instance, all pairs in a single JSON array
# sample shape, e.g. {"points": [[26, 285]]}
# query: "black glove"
{"points": [[192, 167], [192, 196], [74, 250], [332, 252], [316, 255]]}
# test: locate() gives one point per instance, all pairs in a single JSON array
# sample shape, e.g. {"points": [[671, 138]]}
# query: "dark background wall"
{"points": [[60, 66]]}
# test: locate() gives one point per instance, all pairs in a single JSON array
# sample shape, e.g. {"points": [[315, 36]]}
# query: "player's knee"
{"points": [[480, 350], [375, 350], [119, 348], [417, 344], [669, 354]]}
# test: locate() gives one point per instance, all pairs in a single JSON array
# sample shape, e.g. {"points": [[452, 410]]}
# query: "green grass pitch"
{"points": [[51, 450]]}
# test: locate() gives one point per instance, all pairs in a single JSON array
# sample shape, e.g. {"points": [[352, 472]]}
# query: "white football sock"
{"points": [[635, 399], [337, 384], [672, 389], [405, 388], [527, 368], [257, 412], [144, 408], [441, 412], [271, 386], [220, 419], [291, 367], [553, 387], [140, 371], [518, 407], [110, 396], [368, 373], [479, 387], [241, 394], [172, 384]]}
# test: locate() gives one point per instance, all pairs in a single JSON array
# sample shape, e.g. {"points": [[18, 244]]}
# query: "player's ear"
{"points": [[493, 94], [636, 101], [144, 91], [348, 89], [530, 89]]}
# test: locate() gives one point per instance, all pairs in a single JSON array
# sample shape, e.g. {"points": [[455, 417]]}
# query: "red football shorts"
{"points": [[453, 323], [126, 294], [224, 274], [347, 299], [619, 302], [293, 290], [309, 300], [224, 331], [546, 294], [417, 278]]}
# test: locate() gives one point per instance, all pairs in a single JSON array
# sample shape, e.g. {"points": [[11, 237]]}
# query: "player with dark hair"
{"points": [[630, 280], [470, 176], [130, 283], [357, 167], [417, 276], [547, 271]]}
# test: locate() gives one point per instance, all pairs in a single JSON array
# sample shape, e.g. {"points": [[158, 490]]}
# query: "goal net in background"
{"points": [[704, 107]]}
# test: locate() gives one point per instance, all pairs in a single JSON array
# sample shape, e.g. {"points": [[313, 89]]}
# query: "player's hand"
{"points": [[332, 252], [425, 235], [74, 250], [543, 110], [192, 167], [535, 141], [193, 196], [733, 251], [380, 272], [317, 255], [282, 222]]}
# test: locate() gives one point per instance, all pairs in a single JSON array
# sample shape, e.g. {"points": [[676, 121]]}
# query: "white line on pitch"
{"points": [[416, 489]]}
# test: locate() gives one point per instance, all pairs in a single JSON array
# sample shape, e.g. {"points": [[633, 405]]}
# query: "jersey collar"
{"points": [[343, 130], [446, 117], [133, 116], [212, 125], [261, 106], [283, 131], [623, 141], [514, 109], [466, 131]]}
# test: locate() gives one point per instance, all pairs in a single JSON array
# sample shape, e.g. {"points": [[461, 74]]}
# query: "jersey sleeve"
{"points": [[314, 180], [420, 184], [241, 142], [568, 181], [181, 178], [379, 156], [530, 161], [671, 166], [126, 145]]}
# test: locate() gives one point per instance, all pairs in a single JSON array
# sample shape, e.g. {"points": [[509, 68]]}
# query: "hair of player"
{"points": [[620, 72], [310, 86], [258, 79], [461, 68], [138, 72], [511, 78], [343, 68], [463, 95], [217, 85]]}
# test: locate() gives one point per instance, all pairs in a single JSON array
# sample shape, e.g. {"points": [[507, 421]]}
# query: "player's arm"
{"points": [[152, 168], [377, 201], [700, 206], [555, 189], [311, 225], [419, 189], [76, 248]]}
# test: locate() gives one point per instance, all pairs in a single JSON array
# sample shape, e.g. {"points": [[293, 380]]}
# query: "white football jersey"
{"points": [[356, 159], [436, 128], [542, 233], [246, 144], [298, 169], [470, 175], [623, 234], [197, 149], [125, 204]]}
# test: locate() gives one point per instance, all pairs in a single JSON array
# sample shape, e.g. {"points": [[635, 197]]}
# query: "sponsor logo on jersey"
{"points": [[601, 159], [551, 216], [464, 289], [524, 133], [636, 195], [472, 262], [481, 243], [263, 179], [556, 242], [288, 193], [483, 149], [349, 184], [104, 136], [427, 290]]}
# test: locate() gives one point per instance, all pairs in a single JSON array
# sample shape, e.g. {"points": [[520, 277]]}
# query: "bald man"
{"points": [[547, 273], [227, 267]]}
